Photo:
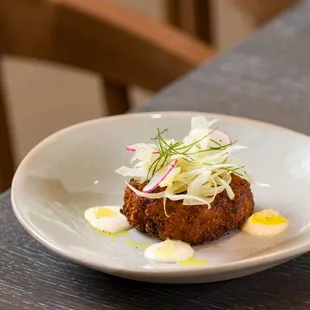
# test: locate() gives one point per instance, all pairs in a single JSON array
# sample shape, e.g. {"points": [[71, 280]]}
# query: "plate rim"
{"points": [[247, 263]]}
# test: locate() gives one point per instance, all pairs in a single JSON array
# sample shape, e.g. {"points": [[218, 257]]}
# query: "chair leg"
{"points": [[116, 96], [6, 153]]}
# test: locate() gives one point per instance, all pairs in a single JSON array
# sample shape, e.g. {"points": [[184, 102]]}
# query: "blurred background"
{"points": [[63, 62]]}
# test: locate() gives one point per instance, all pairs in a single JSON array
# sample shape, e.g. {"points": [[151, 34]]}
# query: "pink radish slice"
{"points": [[133, 148], [220, 136], [159, 176]]}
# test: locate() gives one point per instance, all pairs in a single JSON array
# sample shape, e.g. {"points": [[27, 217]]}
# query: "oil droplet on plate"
{"points": [[139, 245], [192, 261], [112, 236]]}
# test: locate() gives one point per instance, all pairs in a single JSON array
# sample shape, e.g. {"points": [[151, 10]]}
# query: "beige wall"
{"points": [[230, 25], [45, 98]]}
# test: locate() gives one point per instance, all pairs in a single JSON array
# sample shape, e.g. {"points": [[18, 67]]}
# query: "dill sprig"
{"points": [[167, 148]]}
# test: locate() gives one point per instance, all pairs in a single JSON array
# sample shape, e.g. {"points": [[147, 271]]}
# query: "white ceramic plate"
{"points": [[74, 169]]}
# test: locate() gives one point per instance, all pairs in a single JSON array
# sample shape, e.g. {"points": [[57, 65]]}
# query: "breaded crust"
{"points": [[192, 224]]}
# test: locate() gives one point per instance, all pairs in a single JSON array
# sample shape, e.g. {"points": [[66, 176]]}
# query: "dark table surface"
{"points": [[267, 77]]}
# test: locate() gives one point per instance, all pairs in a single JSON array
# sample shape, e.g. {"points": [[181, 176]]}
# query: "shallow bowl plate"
{"points": [[74, 169]]}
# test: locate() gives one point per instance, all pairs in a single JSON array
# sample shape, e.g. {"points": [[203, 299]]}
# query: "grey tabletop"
{"points": [[267, 77]]}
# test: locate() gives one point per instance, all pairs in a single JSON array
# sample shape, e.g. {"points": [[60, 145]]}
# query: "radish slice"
{"points": [[159, 176], [134, 147], [220, 136]]}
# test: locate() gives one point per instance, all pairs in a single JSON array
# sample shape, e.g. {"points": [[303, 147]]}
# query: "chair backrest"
{"points": [[122, 46], [101, 36]]}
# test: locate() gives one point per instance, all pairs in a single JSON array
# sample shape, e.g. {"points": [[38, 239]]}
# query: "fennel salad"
{"points": [[194, 169]]}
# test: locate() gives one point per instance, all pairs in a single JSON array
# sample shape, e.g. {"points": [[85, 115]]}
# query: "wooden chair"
{"points": [[122, 46]]}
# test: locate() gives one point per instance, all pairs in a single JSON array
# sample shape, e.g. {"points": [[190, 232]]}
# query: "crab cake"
{"points": [[194, 224]]}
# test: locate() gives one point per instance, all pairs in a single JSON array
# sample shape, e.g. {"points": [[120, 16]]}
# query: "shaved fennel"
{"points": [[194, 169]]}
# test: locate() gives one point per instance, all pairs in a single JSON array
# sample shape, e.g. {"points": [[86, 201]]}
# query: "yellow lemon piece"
{"points": [[105, 212], [268, 217]]}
